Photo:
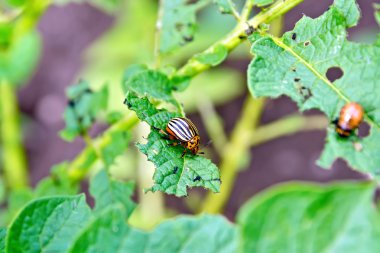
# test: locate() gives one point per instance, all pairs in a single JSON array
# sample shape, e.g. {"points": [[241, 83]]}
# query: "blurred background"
{"points": [[81, 41]]}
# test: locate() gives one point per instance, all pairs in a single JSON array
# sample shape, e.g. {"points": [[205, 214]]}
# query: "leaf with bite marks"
{"points": [[296, 65], [174, 173]]}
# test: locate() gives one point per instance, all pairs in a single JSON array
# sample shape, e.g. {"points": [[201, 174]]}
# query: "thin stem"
{"points": [[246, 11], [235, 14], [236, 37], [89, 142], [287, 126], [234, 150], [14, 161], [82, 163]]}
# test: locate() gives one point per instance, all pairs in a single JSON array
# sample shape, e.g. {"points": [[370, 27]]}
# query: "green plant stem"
{"points": [[14, 161], [213, 123], [232, 155], [287, 126], [246, 11], [236, 37], [82, 163]]}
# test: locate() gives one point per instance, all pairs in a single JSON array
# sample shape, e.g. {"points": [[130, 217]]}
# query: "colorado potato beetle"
{"points": [[350, 117], [185, 132]]}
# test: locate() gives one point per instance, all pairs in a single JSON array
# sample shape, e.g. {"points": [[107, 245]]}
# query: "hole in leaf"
{"points": [[197, 178], [187, 38], [363, 130], [306, 43], [334, 73], [297, 79], [294, 36], [294, 69]]}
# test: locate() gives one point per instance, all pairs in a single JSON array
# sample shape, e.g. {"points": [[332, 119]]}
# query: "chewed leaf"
{"points": [[145, 110], [178, 23], [83, 107], [297, 64], [174, 173]]}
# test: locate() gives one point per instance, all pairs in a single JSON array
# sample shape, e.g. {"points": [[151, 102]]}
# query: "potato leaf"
{"points": [[206, 233], [178, 23], [143, 81], [48, 225], [18, 60], [107, 191], [83, 107], [108, 232], [339, 218], [296, 65], [3, 234], [174, 173]]}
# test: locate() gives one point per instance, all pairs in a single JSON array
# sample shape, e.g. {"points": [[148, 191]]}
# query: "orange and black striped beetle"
{"points": [[185, 133], [350, 117]]}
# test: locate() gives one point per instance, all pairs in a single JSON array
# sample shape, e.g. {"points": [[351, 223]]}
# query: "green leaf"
{"points": [[17, 200], [178, 24], [350, 10], [296, 66], [377, 12], [16, 3], [311, 218], [225, 6], [145, 110], [194, 234], [213, 58], [107, 191], [48, 225], [174, 173], [58, 183], [145, 82], [261, 3], [117, 144], [19, 59], [83, 108], [3, 234], [109, 233]]}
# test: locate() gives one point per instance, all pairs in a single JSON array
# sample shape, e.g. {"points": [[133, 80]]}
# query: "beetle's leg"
{"points": [[183, 154]]}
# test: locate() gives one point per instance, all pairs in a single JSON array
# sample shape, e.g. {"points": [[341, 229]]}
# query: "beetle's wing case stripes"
{"points": [[192, 126], [182, 128]]}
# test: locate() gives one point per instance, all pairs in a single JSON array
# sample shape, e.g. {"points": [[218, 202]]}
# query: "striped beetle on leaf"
{"points": [[185, 133]]}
